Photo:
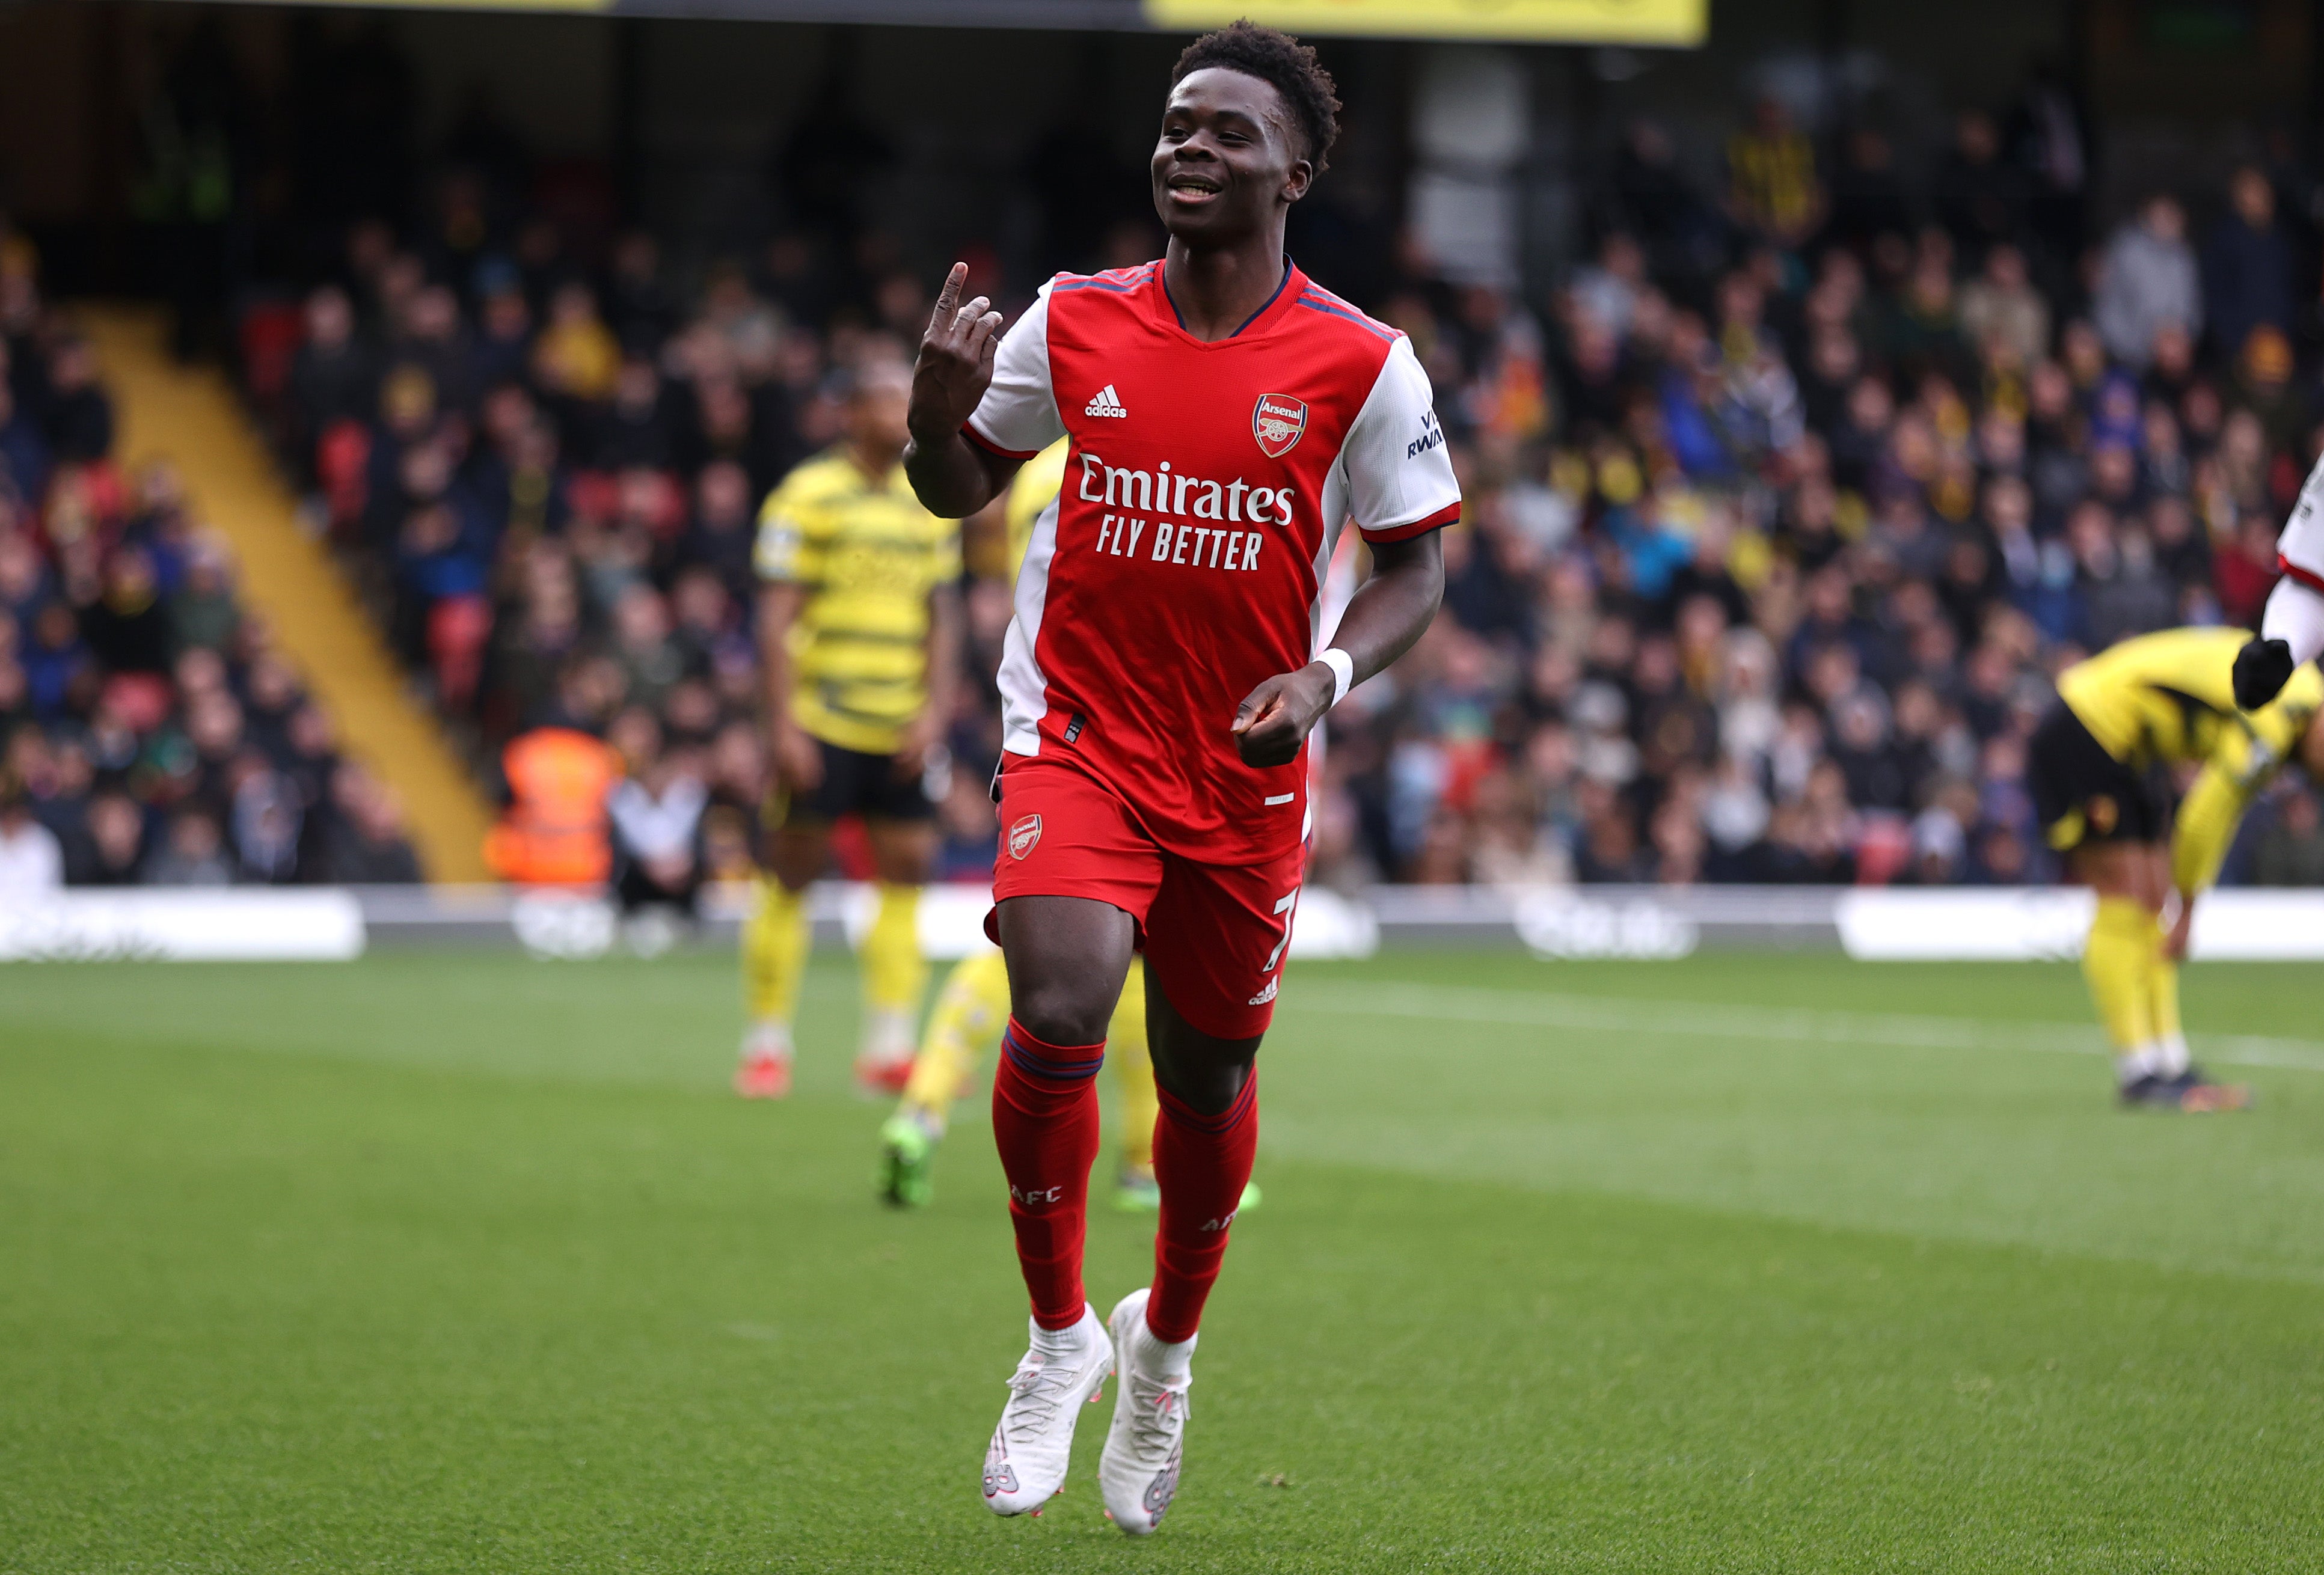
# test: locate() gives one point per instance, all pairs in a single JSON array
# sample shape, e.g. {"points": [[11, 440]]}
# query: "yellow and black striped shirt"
{"points": [[2169, 698], [1035, 488], [869, 557]]}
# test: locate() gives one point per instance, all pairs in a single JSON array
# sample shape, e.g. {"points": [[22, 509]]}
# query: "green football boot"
{"points": [[1136, 1192], [908, 1152]]}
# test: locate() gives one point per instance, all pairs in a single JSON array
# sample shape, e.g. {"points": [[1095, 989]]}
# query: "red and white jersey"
{"points": [[1182, 562], [2299, 545]]}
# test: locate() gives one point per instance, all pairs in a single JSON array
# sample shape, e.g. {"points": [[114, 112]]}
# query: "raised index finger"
{"points": [[949, 296]]}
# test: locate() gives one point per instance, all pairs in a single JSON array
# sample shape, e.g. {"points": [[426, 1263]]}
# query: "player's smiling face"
{"points": [[1229, 161]]}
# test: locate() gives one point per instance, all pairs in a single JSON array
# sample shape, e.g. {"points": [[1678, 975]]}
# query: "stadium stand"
{"points": [[151, 730], [1783, 508]]}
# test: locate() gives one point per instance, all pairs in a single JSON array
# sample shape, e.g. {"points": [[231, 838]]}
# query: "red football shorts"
{"points": [[1214, 935]]}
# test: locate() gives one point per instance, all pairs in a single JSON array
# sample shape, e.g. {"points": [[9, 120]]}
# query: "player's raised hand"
{"points": [[1274, 717], [956, 361]]}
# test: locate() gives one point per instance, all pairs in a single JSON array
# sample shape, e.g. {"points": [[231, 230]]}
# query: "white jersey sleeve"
{"points": [[2300, 543], [1394, 473], [1018, 415]]}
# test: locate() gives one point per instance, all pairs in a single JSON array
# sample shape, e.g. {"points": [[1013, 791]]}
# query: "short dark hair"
{"points": [[1283, 62]]}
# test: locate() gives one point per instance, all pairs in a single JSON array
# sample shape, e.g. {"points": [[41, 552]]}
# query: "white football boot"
{"points": [[1139, 1472], [1025, 1464]]}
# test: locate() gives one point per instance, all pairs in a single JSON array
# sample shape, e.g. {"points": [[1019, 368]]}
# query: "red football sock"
{"points": [[1045, 1121], [1202, 1164]]}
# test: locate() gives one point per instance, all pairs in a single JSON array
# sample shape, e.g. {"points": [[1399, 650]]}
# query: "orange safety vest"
{"points": [[553, 833]]}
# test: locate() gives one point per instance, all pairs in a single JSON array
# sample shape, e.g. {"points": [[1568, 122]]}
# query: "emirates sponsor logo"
{"points": [[1023, 835], [1277, 421]]}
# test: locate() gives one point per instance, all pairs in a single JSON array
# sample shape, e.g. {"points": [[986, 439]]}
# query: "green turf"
{"points": [[467, 1262]]}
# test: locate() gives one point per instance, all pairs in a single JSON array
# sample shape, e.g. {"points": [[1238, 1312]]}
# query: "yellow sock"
{"points": [[1133, 1066], [894, 974], [774, 953], [2119, 963], [2162, 1004], [970, 1012]]}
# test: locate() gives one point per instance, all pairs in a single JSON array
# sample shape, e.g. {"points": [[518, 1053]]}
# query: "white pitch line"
{"points": [[1614, 1014]]}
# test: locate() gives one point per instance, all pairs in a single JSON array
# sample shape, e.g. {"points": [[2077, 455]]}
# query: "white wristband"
{"points": [[1343, 671]]}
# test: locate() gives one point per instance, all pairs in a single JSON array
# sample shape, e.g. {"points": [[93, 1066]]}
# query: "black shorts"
{"points": [[2083, 793], [855, 783]]}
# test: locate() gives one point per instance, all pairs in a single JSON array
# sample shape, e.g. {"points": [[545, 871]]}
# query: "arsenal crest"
{"points": [[1023, 835], [1277, 421]]}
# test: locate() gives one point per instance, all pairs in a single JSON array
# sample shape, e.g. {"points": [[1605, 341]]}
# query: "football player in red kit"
{"points": [[1227, 416]]}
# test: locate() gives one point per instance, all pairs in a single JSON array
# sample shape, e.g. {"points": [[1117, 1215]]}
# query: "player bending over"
{"points": [[2121, 718], [1159, 681], [856, 623], [2291, 628]]}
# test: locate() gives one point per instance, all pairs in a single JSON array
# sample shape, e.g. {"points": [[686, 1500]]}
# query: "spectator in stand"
{"points": [[1979, 197], [2291, 850], [367, 844], [80, 412], [2247, 267], [32, 860], [576, 356], [2001, 307], [334, 377], [24, 456], [115, 844], [656, 814], [1774, 191], [2148, 282], [1867, 197], [193, 852]]}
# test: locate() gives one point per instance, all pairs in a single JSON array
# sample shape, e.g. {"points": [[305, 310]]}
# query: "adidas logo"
{"points": [[1106, 403]]}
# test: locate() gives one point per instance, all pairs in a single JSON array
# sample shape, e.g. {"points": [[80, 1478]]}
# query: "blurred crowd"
{"points": [[1781, 513], [1787, 507], [547, 472], [150, 733], [1784, 507]]}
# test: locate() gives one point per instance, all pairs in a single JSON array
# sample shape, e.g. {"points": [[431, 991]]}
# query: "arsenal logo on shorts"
{"points": [[1023, 835], [1277, 421]]}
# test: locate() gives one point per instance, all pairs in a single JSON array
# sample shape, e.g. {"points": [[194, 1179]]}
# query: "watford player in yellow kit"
{"points": [[972, 1006], [857, 625], [2123, 718]]}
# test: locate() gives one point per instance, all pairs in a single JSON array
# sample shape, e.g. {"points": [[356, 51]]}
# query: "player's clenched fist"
{"points": [[1273, 718], [956, 361]]}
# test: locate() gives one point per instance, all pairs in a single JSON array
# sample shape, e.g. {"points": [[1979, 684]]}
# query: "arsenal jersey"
{"points": [[1183, 561]]}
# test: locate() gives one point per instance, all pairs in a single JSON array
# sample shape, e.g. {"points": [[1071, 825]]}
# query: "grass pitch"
{"points": [[463, 1261]]}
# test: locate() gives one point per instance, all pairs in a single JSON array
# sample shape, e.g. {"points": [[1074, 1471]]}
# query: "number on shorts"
{"points": [[1288, 907]]}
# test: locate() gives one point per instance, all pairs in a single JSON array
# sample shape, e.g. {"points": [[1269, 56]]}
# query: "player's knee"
{"points": [[1206, 1085], [1062, 1011]]}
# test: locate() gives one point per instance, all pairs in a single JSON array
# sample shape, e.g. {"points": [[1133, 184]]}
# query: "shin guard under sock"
{"points": [[1202, 1163], [1045, 1122]]}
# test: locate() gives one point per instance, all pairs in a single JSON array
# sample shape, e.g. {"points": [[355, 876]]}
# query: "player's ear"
{"points": [[1297, 179]]}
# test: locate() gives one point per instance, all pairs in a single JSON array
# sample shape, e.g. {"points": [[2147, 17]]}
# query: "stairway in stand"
{"points": [[194, 417]]}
